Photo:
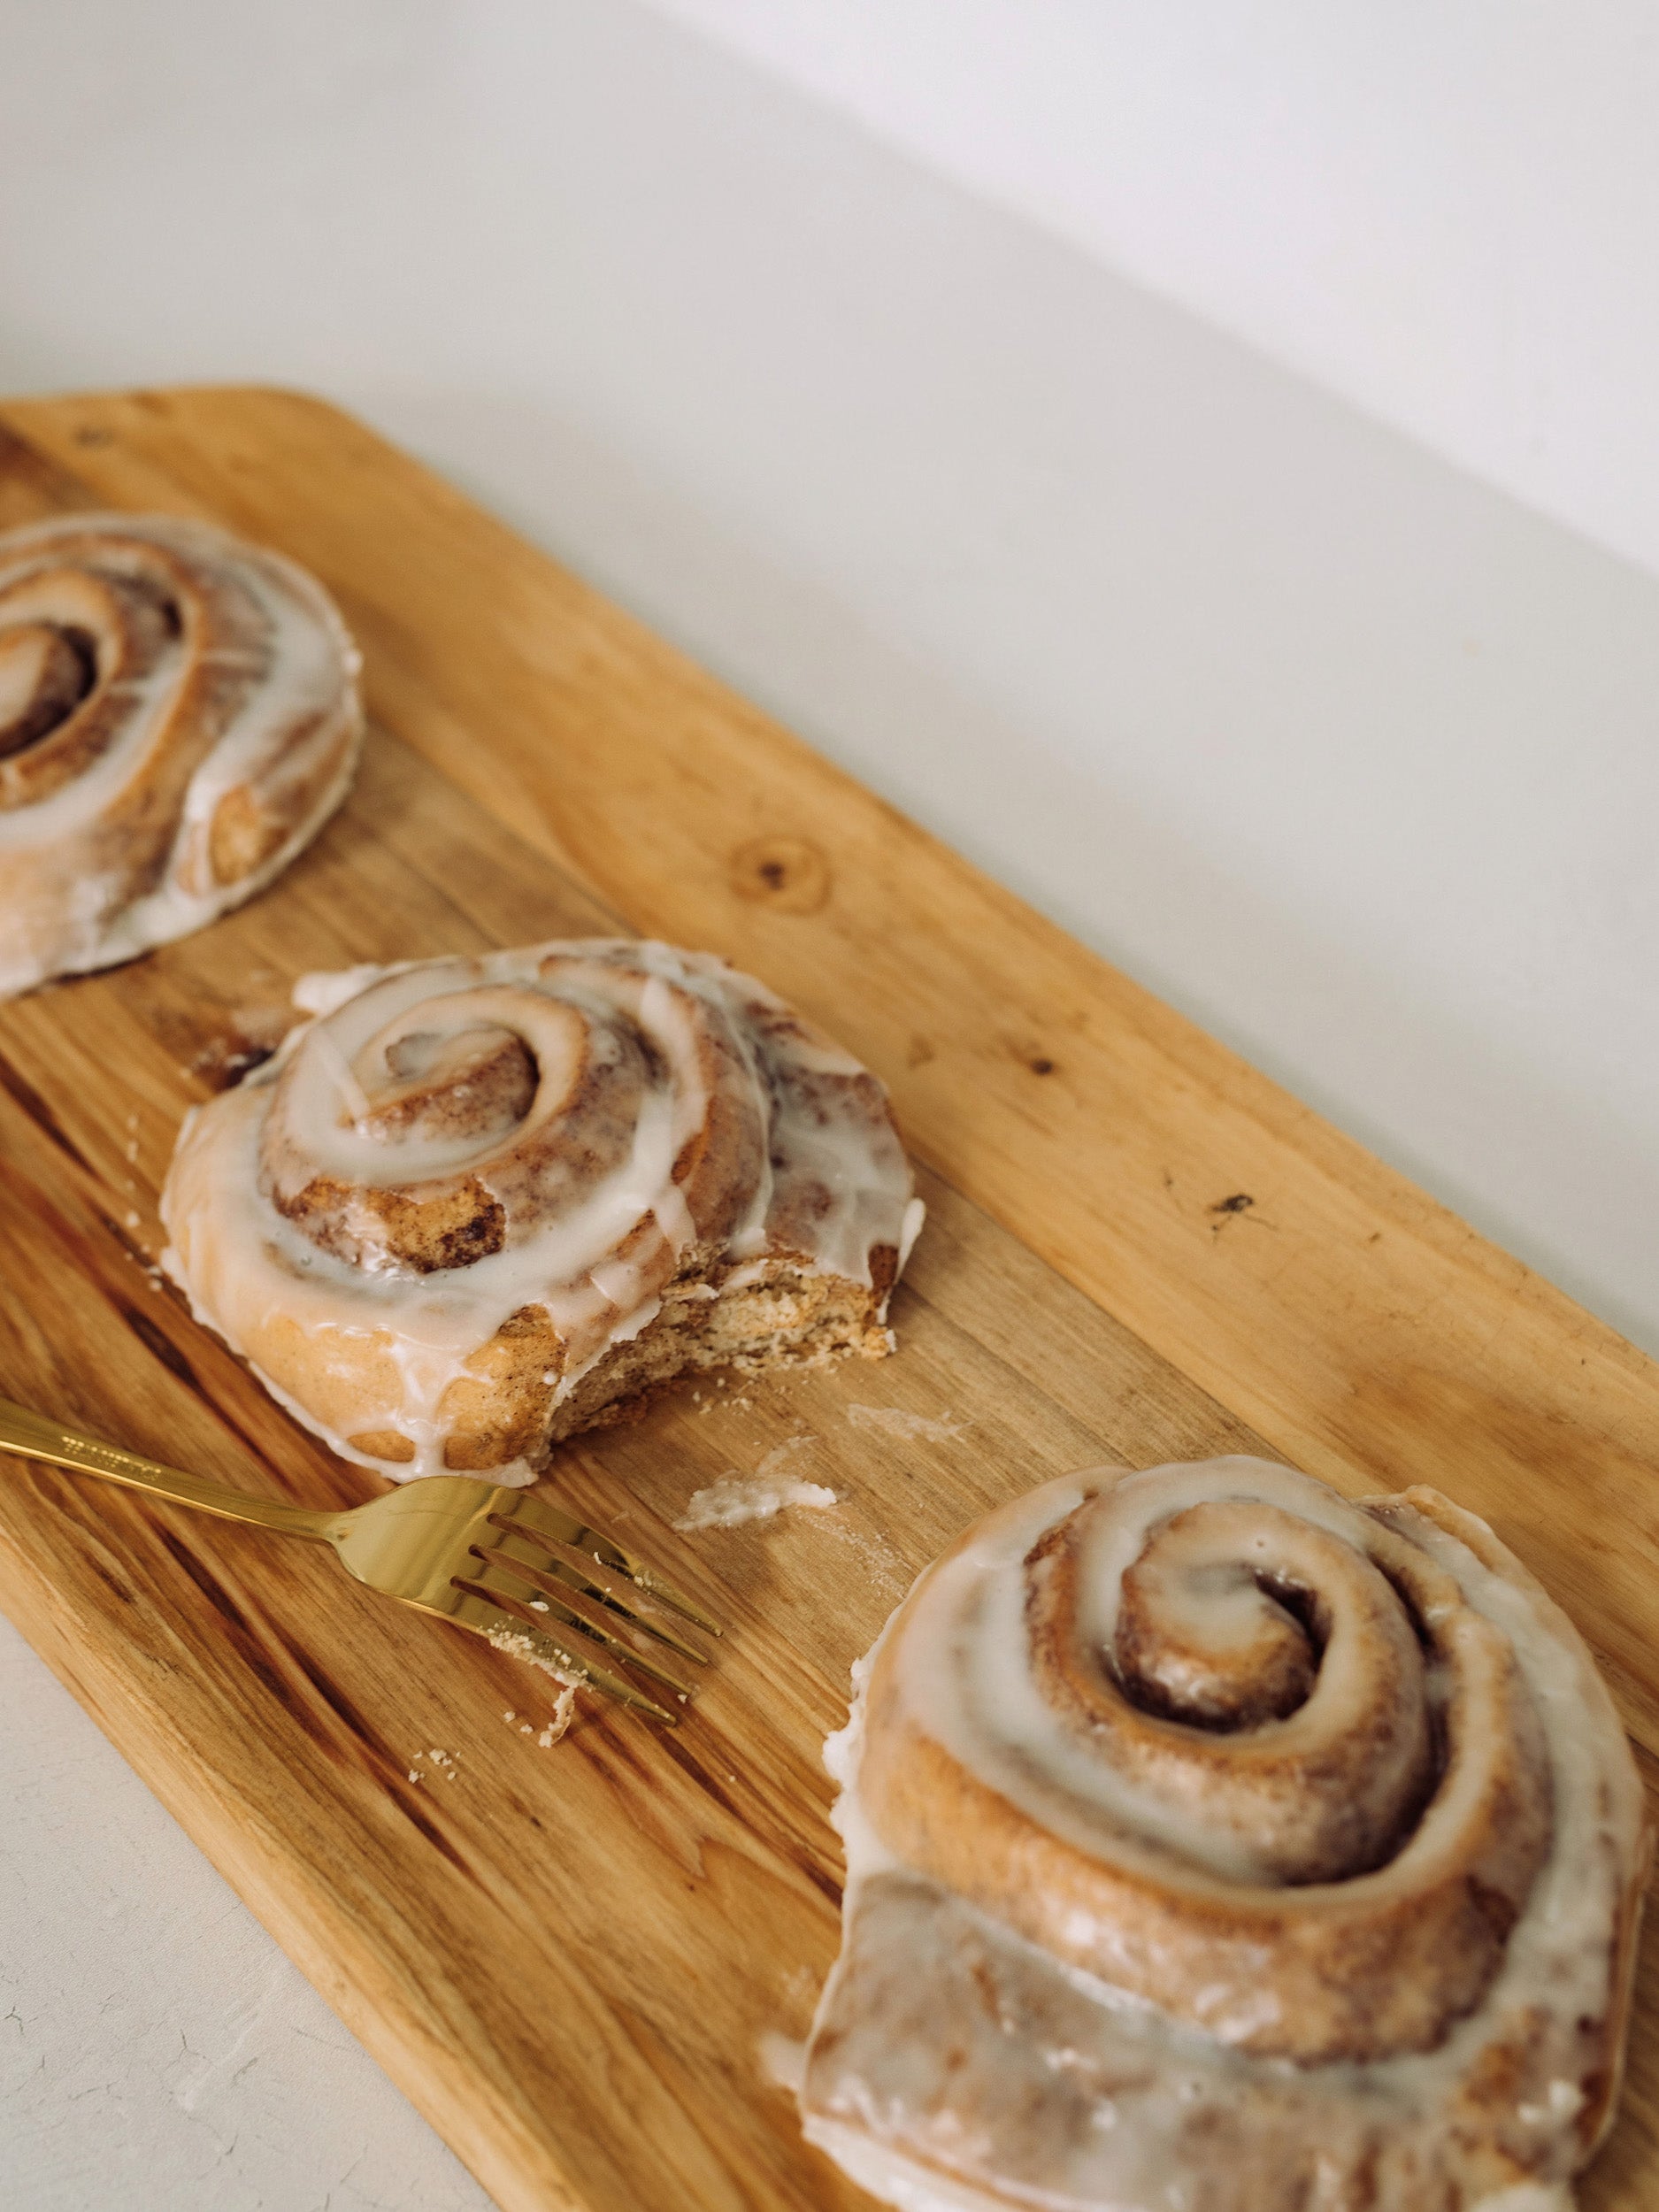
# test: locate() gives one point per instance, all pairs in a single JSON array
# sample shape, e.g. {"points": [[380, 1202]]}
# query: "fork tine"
{"points": [[504, 1579], [564, 1528], [510, 1632], [538, 1554]]}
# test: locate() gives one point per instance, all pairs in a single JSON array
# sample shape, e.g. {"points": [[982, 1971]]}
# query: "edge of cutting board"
{"points": [[1359, 1328]]}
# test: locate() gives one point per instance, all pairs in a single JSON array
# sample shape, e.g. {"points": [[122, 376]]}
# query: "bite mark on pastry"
{"points": [[478, 1204]]}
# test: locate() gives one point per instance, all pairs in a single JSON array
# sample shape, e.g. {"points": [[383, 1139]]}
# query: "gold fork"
{"points": [[499, 1562]]}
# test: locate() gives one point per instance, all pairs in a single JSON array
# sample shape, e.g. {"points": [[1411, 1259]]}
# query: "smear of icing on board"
{"points": [[895, 1421], [736, 1498]]}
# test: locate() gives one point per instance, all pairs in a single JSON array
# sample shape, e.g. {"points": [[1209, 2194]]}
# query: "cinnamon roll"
{"points": [[477, 1204], [1216, 1843], [179, 716]]}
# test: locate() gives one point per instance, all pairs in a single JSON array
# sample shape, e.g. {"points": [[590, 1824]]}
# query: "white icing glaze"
{"points": [[59, 913], [895, 2179], [1062, 2091], [830, 1179], [915, 1215], [782, 2060], [325, 990]]}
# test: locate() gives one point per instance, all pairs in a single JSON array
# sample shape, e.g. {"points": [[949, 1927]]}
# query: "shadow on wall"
{"points": [[1397, 1068]]}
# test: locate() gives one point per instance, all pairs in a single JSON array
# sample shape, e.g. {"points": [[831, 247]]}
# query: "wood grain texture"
{"points": [[568, 1958]]}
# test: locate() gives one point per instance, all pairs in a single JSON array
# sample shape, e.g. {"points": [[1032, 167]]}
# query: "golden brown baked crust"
{"points": [[478, 1204], [1255, 1841], [178, 716]]}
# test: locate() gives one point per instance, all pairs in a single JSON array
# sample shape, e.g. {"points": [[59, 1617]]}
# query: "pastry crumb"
{"points": [[563, 1713], [736, 1498]]}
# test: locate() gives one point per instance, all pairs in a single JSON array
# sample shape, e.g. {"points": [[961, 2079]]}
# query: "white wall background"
{"points": [[904, 431], [1446, 210], [1352, 759]]}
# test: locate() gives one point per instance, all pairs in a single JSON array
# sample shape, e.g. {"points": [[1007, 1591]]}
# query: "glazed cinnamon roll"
{"points": [[1214, 1842], [477, 1204], [179, 715]]}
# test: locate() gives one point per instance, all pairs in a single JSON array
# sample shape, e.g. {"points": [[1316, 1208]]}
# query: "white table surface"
{"points": [[1346, 756]]}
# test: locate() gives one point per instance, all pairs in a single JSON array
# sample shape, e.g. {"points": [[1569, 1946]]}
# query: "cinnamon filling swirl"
{"points": [[1300, 1836], [178, 716], [479, 1204], [46, 670]]}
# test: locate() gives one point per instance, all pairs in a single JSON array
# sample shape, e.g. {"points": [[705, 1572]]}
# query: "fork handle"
{"points": [[32, 1436]]}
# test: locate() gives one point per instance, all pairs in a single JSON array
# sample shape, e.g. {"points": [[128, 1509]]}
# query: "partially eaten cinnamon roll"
{"points": [[477, 1204], [179, 716], [1214, 1842]]}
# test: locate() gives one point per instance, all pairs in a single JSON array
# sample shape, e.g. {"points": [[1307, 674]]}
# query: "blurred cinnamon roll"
{"points": [[477, 1204], [1213, 1842], [179, 715]]}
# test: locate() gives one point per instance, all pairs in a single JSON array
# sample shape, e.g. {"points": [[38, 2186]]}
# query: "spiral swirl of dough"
{"points": [[179, 715], [464, 1186], [1331, 1789]]}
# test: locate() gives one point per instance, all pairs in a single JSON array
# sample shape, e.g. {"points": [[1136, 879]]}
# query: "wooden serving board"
{"points": [[1138, 1250]]}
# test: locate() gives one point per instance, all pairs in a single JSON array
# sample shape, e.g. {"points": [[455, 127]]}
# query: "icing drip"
{"points": [[506, 1165], [178, 717], [1208, 1834]]}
